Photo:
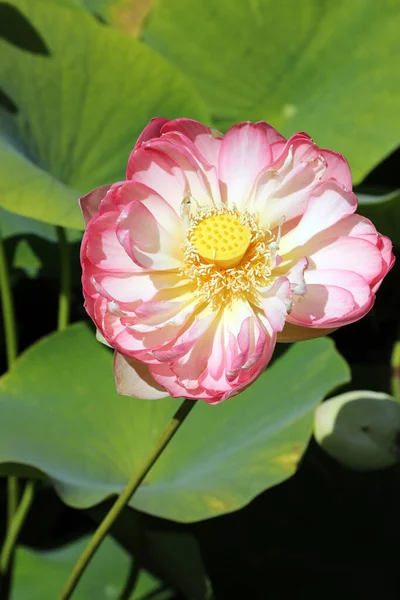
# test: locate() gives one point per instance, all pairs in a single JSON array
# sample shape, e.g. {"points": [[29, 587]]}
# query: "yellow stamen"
{"points": [[239, 271], [221, 239]]}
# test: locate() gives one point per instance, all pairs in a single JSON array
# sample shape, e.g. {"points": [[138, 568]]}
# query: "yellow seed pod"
{"points": [[222, 240]]}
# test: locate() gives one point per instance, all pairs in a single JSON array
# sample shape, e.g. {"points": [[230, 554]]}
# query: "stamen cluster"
{"points": [[217, 285]]}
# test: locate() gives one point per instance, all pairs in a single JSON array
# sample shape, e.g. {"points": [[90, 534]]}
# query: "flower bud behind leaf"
{"points": [[395, 364], [361, 429]]}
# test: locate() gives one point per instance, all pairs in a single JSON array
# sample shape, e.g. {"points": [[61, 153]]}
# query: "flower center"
{"points": [[228, 255], [222, 240]]}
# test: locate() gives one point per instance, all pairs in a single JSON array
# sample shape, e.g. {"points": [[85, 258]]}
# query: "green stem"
{"points": [[122, 500], [8, 309], [10, 333], [12, 497], [131, 581], [15, 527], [65, 281]]}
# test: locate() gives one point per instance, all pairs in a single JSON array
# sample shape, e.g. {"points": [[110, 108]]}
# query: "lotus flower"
{"points": [[215, 247]]}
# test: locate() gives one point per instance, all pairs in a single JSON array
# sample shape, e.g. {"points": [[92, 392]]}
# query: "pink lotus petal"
{"points": [[151, 131], [350, 281], [386, 248], [150, 244], [337, 168], [322, 306], [207, 144], [276, 301], [198, 184], [351, 254], [91, 202], [153, 315], [208, 170], [282, 191], [245, 151], [328, 204], [102, 247], [160, 173]]}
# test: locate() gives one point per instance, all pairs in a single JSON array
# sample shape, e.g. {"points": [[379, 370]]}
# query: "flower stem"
{"points": [[65, 281], [10, 334], [11, 352], [8, 309], [122, 500], [15, 527], [130, 584], [12, 497]]}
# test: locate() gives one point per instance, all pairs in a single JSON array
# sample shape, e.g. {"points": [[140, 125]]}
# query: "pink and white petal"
{"points": [[159, 172], [138, 287], [102, 248], [151, 131], [209, 171], [165, 377], [192, 365], [328, 204], [187, 338], [322, 306], [90, 203], [277, 148], [388, 259], [353, 226], [283, 193], [226, 354], [276, 302], [106, 322], [350, 281], [273, 136], [142, 345], [245, 151], [337, 168], [351, 254], [247, 378], [180, 153], [296, 277], [153, 315], [210, 388], [249, 357], [296, 333], [189, 367], [163, 344], [124, 193], [150, 244], [133, 378], [298, 148], [277, 201], [207, 143]]}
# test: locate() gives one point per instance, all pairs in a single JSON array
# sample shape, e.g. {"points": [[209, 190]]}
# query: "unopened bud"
{"points": [[360, 429]]}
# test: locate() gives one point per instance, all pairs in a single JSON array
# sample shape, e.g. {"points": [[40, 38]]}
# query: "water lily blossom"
{"points": [[215, 247]]}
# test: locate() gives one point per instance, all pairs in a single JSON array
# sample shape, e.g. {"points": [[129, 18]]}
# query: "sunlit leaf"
{"points": [[327, 68], [95, 440], [81, 110]]}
